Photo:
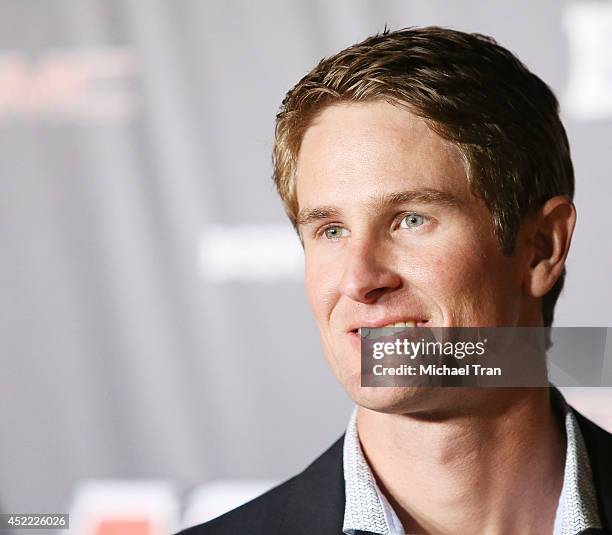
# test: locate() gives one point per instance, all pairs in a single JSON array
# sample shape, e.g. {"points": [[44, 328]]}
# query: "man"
{"points": [[429, 178]]}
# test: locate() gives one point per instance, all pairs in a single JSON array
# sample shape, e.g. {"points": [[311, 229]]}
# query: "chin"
{"points": [[423, 401], [392, 399], [429, 403], [389, 400]]}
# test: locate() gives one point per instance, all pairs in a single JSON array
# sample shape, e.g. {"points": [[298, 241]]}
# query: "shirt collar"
{"points": [[367, 509], [363, 509], [577, 509]]}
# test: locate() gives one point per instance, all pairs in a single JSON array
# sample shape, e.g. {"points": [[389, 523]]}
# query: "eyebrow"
{"points": [[430, 196], [307, 216]]}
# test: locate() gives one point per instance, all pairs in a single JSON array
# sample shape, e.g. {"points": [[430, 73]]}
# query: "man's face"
{"points": [[392, 233]]}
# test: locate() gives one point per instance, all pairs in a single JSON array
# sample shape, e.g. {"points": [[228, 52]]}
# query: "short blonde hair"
{"points": [[472, 92]]}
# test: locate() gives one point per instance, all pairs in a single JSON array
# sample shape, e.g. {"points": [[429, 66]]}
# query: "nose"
{"points": [[368, 273]]}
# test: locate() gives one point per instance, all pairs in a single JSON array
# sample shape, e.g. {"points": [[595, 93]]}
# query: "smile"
{"points": [[394, 324]]}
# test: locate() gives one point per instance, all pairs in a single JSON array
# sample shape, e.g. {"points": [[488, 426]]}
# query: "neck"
{"points": [[494, 472]]}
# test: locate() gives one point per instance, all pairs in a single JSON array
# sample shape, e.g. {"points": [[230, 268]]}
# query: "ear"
{"points": [[550, 238]]}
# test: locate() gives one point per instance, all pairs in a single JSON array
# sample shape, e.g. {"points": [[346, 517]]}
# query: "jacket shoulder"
{"points": [[298, 503], [257, 516]]}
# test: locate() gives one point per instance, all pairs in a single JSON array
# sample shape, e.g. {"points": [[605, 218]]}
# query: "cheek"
{"points": [[321, 288], [468, 284], [441, 268]]}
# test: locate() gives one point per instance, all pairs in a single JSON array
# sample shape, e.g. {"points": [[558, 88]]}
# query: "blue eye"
{"points": [[334, 232], [412, 221]]}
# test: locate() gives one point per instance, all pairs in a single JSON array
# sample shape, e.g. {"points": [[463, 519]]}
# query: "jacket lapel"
{"points": [[599, 448], [315, 501]]}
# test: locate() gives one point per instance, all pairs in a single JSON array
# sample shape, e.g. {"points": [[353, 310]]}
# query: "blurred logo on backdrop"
{"points": [[251, 253], [93, 85], [588, 96], [124, 508], [151, 507]]}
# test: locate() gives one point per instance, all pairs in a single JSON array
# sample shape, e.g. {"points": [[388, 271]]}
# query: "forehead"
{"points": [[359, 150]]}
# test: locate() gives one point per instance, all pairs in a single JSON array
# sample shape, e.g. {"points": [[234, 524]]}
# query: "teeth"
{"points": [[397, 325], [402, 324]]}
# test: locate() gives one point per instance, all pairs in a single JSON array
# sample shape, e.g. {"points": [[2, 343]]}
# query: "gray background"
{"points": [[123, 354]]}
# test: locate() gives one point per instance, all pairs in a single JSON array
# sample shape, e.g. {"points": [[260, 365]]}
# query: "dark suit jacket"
{"points": [[312, 503]]}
